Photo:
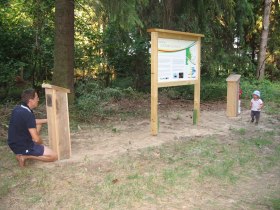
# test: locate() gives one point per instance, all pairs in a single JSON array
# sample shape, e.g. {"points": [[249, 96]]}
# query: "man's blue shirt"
{"points": [[19, 138]]}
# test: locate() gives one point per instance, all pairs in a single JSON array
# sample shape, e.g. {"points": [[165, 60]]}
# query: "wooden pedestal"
{"points": [[232, 94], [58, 120]]}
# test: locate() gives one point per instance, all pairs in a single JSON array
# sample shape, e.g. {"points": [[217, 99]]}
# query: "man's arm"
{"points": [[35, 136], [41, 121]]}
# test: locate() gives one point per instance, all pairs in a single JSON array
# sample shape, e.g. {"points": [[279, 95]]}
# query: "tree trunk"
{"points": [[63, 74], [264, 38]]}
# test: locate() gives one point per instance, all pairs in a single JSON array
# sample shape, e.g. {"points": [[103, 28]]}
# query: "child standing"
{"points": [[256, 106]]}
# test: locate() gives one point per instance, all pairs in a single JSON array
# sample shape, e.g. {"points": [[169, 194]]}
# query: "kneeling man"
{"points": [[23, 135]]}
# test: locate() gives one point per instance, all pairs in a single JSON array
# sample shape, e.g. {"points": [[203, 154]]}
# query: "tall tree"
{"points": [[63, 74], [264, 38]]}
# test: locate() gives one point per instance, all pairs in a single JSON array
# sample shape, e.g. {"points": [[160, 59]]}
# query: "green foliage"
{"points": [[275, 203], [127, 54], [111, 41], [94, 100], [270, 91], [210, 91], [26, 40], [213, 90]]}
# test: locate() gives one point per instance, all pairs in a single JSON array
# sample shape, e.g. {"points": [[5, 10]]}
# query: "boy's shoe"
{"points": [[256, 123], [252, 120]]}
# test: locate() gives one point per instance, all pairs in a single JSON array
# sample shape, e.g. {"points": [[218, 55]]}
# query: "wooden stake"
{"points": [[154, 83], [197, 84]]}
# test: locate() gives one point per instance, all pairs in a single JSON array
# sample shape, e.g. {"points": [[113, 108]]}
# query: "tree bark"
{"points": [[63, 74], [264, 39]]}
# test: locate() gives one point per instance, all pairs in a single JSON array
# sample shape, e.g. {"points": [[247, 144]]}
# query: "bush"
{"points": [[270, 91], [92, 99], [215, 90], [209, 91]]}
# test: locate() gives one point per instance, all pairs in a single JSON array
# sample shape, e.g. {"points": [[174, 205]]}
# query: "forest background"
{"points": [[112, 44], [116, 163]]}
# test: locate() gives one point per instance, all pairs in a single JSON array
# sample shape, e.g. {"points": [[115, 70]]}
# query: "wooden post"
{"points": [[196, 114], [154, 83], [58, 120], [232, 94]]}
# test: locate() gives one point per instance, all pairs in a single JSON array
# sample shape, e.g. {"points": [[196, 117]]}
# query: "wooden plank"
{"points": [[230, 105], [196, 105], [154, 83], [164, 31], [233, 78], [63, 131], [51, 117], [197, 84], [178, 36], [49, 86], [232, 99], [176, 83]]}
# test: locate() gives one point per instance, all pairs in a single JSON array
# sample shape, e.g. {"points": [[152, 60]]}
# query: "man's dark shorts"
{"points": [[36, 150]]}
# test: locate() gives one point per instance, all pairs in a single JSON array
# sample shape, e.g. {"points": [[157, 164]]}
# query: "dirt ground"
{"points": [[175, 122], [100, 144], [104, 143]]}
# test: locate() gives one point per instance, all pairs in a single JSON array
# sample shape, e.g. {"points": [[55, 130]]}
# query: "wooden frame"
{"points": [[155, 84], [58, 120]]}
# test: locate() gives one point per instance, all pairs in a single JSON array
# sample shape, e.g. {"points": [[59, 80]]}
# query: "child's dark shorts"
{"points": [[36, 150], [255, 113]]}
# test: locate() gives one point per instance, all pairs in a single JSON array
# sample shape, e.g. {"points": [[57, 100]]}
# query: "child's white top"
{"points": [[256, 104]]}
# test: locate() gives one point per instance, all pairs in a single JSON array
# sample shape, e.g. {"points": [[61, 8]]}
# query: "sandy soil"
{"points": [[104, 143], [175, 122]]}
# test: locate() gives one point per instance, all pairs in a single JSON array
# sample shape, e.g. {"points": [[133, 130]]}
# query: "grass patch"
{"points": [[240, 131], [275, 203], [261, 142]]}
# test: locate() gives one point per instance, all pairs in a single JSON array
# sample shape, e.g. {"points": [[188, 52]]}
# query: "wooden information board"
{"points": [[175, 61]]}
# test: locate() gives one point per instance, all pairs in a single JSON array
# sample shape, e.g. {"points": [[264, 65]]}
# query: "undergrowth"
{"points": [[94, 100], [214, 90]]}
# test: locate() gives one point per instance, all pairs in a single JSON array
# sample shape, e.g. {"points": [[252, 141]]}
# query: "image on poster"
{"points": [[177, 60]]}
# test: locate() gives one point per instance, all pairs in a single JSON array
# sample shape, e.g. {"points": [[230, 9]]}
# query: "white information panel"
{"points": [[177, 60]]}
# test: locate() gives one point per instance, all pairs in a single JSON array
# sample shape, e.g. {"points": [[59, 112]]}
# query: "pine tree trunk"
{"points": [[264, 38], [63, 74]]}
